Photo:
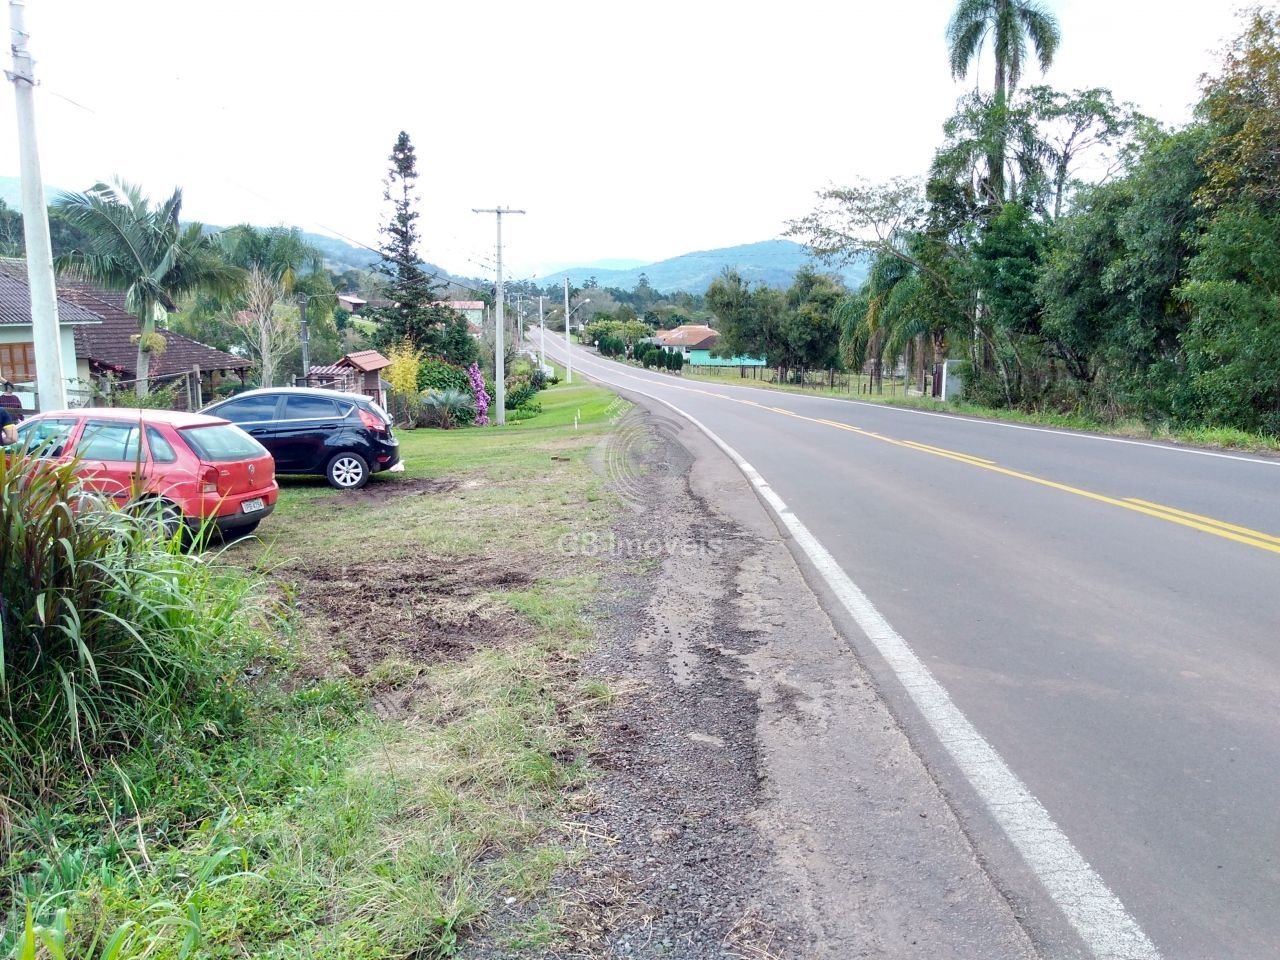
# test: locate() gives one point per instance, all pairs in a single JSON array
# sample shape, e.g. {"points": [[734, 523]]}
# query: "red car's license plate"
{"points": [[252, 506]]}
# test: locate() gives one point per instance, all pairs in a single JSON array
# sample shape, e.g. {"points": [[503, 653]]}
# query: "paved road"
{"points": [[1105, 613]]}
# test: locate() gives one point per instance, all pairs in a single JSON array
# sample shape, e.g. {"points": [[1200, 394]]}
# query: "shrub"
{"points": [[520, 391], [447, 408], [677, 362], [110, 635], [437, 374], [527, 412]]}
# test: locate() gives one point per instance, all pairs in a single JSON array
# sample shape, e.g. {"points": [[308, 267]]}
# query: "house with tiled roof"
{"points": [[108, 350], [691, 336], [17, 342]]}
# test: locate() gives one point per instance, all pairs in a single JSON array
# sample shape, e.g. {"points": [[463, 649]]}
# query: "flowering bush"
{"points": [[480, 394]]}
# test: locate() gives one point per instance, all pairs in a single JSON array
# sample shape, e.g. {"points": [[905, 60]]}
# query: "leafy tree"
{"points": [[1009, 25], [1073, 128], [268, 325], [1080, 311], [1232, 344], [1008, 260], [1242, 107], [810, 329], [145, 252]]}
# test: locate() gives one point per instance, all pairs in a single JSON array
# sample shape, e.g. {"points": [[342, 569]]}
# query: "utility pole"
{"points": [[542, 335], [304, 335], [51, 390], [568, 343], [500, 320]]}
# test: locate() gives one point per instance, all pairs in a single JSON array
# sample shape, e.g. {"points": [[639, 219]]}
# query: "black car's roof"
{"points": [[298, 391]]}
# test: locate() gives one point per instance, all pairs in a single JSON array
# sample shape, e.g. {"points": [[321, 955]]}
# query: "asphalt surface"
{"points": [[1105, 613]]}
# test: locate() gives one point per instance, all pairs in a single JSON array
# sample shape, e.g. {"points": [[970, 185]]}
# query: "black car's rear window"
{"points": [[222, 443]]}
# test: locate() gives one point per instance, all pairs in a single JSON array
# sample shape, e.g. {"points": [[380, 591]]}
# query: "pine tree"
{"points": [[411, 290]]}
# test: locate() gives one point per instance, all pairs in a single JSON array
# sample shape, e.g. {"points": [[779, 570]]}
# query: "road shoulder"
{"points": [[760, 800]]}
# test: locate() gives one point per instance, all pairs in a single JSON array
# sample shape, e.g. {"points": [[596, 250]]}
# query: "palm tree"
{"points": [[1009, 24], [145, 252], [279, 252]]}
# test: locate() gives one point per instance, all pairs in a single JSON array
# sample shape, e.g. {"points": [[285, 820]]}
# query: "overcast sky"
{"points": [[625, 130]]}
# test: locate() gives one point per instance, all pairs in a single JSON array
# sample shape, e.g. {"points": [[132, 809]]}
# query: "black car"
{"points": [[345, 436]]}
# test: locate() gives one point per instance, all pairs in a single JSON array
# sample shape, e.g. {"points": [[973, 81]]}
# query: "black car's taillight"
{"points": [[372, 421]]}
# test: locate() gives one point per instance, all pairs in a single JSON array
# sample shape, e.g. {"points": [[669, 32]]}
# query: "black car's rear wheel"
{"points": [[347, 471]]}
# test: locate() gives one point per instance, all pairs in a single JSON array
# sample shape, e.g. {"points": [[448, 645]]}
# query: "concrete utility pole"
{"points": [[500, 320], [568, 343], [304, 336], [51, 389], [542, 335]]}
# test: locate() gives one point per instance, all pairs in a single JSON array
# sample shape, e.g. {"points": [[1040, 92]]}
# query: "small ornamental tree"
{"points": [[403, 377]]}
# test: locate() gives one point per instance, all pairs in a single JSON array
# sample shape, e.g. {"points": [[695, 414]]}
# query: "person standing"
{"points": [[11, 404]]}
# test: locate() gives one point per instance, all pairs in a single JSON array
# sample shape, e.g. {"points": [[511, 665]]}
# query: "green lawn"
{"points": [[413, 730]]}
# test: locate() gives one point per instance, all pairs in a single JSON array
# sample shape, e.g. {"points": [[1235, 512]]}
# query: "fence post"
{"points": [[198, 389]]}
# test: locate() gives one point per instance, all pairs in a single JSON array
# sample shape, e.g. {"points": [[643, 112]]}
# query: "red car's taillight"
{"points": [[372, 421], [209, 480]]}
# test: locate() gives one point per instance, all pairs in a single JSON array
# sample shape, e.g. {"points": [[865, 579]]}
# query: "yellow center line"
{"points": [[1217, 528], [1256, 534], [929, 448]]}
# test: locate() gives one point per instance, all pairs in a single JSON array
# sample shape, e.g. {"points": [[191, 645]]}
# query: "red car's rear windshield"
{"points": [[222, 443]]}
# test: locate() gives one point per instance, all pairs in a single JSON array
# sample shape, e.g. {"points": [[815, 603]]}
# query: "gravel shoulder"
{"points": [[757, 798]]}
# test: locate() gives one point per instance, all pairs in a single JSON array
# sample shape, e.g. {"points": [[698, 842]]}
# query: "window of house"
{"points": [[18, 362]]}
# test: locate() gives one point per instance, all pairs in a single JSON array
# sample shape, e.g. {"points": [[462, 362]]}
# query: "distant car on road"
{"points": [[195, 469], [345, 437]]}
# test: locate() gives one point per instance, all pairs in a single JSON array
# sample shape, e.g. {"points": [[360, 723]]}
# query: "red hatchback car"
{"points": [[195, 468]]}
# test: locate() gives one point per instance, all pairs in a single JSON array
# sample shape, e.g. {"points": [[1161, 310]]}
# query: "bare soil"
{"points": [[757, 798], [412, 610]]}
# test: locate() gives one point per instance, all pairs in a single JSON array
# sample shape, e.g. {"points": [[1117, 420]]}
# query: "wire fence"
{"points": [[897, 384]]}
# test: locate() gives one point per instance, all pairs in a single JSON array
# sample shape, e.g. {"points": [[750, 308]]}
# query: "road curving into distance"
{"points": [[1081, 634]]}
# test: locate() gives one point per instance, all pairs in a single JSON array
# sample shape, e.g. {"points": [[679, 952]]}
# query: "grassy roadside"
{"points": [[1211, 437], [412, 732]]}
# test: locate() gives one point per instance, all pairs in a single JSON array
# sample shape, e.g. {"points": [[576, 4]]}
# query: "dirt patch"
{"points": [[377, 490], [416, 610]]}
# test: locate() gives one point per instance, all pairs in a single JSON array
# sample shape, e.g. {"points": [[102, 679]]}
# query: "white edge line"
{"points": [[982, 421], [1095, 913]]}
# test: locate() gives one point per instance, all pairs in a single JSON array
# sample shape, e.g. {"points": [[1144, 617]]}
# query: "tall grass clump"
{"points": [[111, 635]]}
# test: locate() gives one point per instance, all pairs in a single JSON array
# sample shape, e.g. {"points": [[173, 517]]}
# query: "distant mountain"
{"points": [[771, 262], [11, 192], [613, 264]]}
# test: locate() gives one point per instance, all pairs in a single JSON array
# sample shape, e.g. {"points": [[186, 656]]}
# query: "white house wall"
{"points": [[21, 333]]}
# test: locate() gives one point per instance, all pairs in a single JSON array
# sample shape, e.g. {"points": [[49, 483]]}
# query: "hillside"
{"points": [[771, 262], [11, 192]]}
